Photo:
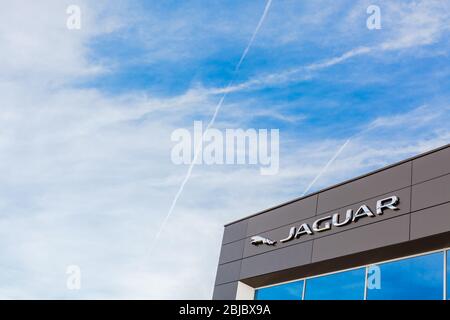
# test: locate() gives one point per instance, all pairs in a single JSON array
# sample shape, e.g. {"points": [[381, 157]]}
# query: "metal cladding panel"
{"points": [[231, 251], [235, 231], [431, 166], [228, 272], [276, 260], [422, 223], [225, 291], [431, 193], [283, 215], [367, 187], [430, 221], [280, 233], [361, 239]]}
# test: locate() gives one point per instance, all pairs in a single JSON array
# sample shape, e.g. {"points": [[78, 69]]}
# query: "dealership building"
{"points": [[383, 235]]}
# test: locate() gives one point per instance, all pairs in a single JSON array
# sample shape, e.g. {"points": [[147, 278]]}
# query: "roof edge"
{"points": [[341, 183]]}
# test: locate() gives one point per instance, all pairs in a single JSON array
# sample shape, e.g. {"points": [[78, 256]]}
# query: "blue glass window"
{"points": [[415, 278], [347, 285], [448, 275], [287, 291]]}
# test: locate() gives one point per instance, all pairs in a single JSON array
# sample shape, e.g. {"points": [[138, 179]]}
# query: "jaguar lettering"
{"points": [[335, 220]]}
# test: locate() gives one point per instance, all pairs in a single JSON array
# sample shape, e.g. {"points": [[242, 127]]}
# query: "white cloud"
{"points": [[408, 26], [415, 23], [38, 47], [87, 177]]}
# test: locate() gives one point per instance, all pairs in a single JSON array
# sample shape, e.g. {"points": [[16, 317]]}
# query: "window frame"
{"points": [[445, 255], [446, 272]]}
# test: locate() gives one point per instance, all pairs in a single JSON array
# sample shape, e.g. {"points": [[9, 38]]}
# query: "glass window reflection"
{"points": [[415, 278], [347, 285], [448, 275], [287, 291]]}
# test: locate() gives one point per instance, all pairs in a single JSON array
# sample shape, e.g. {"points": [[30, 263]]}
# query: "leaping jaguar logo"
{"points": [[257, 240]]}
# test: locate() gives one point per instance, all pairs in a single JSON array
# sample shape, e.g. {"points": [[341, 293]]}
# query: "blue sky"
{"points": [[86, 118], [180, 46]]}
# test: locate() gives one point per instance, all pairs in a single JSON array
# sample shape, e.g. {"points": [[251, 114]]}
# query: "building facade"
{"points": [[383, 235]]}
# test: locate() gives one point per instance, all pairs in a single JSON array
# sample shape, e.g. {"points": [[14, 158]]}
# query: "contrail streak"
{"points": [[324, 169], [211, 123], [261, 20]]}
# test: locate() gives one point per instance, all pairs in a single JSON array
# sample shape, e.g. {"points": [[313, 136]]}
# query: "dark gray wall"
{"points": [[423, 222]]}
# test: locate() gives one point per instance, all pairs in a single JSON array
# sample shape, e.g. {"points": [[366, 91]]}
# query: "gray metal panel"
{"points": [[286, 214], [277, 260], [388, 180], [281, 233], [430, 193], [235, 231], [431, 166], [403, 249], [275, 235], [365, 238], [357, 243], [228, 272], [231, 251], [225, 291], [430, 221]]}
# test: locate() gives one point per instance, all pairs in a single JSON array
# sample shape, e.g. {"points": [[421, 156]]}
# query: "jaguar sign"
{"points": [[332, 221]]}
